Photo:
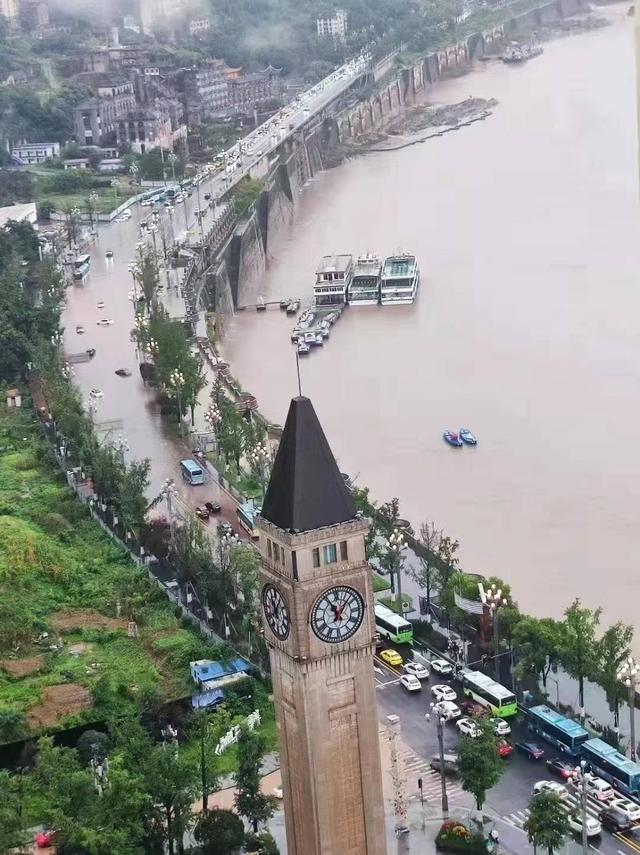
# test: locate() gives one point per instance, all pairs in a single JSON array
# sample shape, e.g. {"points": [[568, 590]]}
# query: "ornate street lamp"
{"points": [[494, 599], [396, 544], [176, 381], [628, 675]]}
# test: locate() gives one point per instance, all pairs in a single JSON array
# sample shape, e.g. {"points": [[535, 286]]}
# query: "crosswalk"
{"points": [[571, 803], [417, 767]]}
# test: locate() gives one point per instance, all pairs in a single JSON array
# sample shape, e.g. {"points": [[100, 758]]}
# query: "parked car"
{"points": [[451, 763], [598, 789], [530, 750], [468, 727], [500, 726], [504, 748], [447, 710], [277, 792], [417, 669], [443, 693], [442, 667], [410, 683], [213, 507], [560, 767], [202, 512], [628, 807], [551, 787], [391, 657], [593, 826], [615, 820]]}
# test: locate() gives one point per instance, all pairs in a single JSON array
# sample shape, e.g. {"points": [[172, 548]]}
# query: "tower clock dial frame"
{"points": [[337, 614], [276, 612]]}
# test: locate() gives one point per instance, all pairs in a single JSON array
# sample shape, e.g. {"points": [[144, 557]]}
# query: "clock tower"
{"points": [[317, 609]]}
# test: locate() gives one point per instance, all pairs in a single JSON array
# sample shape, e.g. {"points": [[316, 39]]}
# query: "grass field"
{"points": [[67, 593]]}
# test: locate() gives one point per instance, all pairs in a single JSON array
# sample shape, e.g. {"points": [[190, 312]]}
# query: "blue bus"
{"points": [[192, 472], [246, 517], [607, 762], [567, 735]]}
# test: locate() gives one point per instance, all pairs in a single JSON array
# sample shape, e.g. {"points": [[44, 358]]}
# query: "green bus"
{"points": [[391, 625], [487, 692]]}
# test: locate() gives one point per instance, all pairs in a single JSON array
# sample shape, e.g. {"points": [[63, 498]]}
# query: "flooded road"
{"points": [[526, 329]]}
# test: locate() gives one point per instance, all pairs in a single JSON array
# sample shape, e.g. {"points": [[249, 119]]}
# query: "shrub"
{"points": [[454, 836]]}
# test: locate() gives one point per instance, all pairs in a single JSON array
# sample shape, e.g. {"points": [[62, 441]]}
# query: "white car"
{"points": [[417, 669], [629, 808], [551, 787], [593, 826], [410, 683], [96, 393], [447, 710], [500, 727], [147, 203], [468, 727], [277, 792], [443, 693], [441, 666], [598, 789]]}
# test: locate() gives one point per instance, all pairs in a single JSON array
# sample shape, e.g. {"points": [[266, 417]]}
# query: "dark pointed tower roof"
{"points": [[306, 490]]}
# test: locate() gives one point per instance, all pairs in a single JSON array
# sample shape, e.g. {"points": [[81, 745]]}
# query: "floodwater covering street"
{"points": [[526, 327]]}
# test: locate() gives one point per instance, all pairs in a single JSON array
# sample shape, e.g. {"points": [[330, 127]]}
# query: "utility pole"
{"points": [[580, 781]]}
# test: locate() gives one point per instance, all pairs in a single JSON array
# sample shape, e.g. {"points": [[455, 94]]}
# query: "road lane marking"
{"points": [[630, 843]]}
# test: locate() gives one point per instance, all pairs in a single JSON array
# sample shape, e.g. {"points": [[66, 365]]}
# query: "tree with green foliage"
{"points": [[147, 275], [204, 732], [13, 831], [611, 650], [480, 764], [536, 642], [547, 825], [92, 745], [219, 832], [578, 649], [251, 802]]}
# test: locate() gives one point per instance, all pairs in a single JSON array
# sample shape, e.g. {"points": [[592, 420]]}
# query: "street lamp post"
{"points": [[91, 202], [628, 675], [176, 380], [494, 599], [395, 544], [440, 722], [580, 781]]}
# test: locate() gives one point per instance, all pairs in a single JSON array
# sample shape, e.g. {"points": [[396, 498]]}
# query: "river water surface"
{"points": [[526, 330]]}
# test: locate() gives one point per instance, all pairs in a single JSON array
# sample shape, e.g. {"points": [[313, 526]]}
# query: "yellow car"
{"points": [[391, 657]]}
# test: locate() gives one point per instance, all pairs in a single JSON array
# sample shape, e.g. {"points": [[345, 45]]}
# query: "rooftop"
{"points": [[367, 265], [399, 266], [332, 263], [306, 491]]}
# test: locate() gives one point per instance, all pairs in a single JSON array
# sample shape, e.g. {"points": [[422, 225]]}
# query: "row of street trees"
{"points": [[126, 793], [539, 645]]}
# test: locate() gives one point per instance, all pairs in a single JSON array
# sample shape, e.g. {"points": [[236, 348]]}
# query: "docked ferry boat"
{"points": [[333, 278], [364, 289], [400, 279]]}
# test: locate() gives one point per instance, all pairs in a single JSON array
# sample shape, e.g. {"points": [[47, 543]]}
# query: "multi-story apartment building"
{"points": [[335, 26], [96, 118], [206, 89], [30, 153], [248, 90]]}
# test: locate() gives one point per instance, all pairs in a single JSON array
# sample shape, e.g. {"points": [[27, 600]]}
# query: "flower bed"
{"points": [[454, 836]]}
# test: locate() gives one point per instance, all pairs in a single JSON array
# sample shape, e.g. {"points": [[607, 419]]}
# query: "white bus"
{"points": [[391, 625], [487, 692]]}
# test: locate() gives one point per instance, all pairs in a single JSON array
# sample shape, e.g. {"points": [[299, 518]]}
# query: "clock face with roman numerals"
{"points": [[276, 612], [337, 614]]}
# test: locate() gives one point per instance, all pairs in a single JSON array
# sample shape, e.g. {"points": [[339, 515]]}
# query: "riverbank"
{"points": [[513, 333]]}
